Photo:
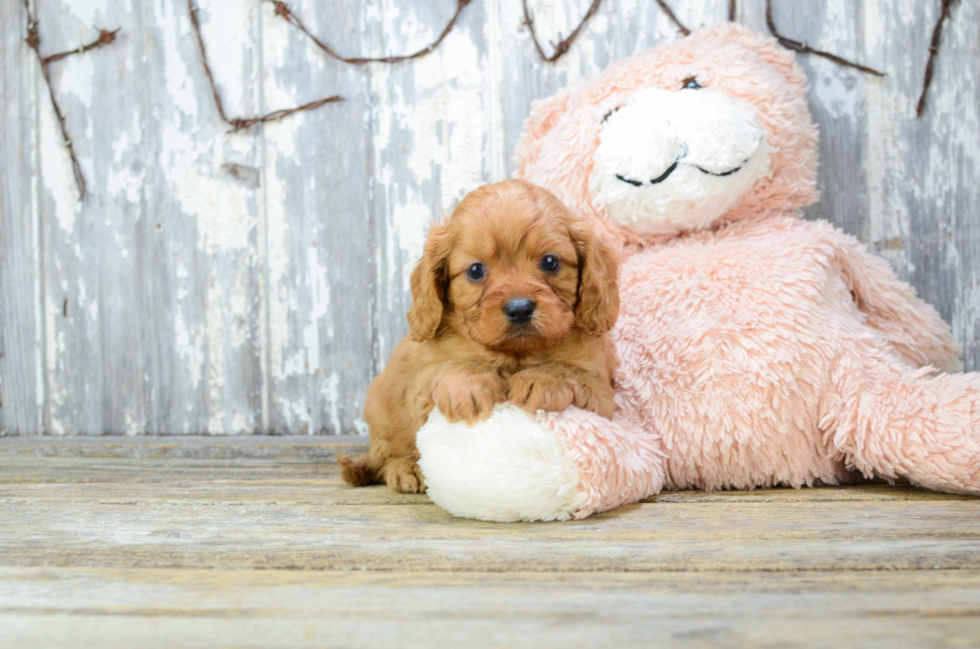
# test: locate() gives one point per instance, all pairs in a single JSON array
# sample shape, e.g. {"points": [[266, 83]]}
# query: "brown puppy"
{"points": [[511, 301]]}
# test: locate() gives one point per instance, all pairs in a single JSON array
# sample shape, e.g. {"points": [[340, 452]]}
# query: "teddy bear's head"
{"points": [[713, 127]]}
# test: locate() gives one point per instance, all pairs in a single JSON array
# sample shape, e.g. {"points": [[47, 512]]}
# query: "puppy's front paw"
{"points": [[535, 390], [468, 397], [599, 402], [404, 476]]}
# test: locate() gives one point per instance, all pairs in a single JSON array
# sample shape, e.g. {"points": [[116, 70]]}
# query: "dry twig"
{"points": [[105, 37], [803, 48], [239, 123], [564, 44], [670, 14], [937, 34], [33, 41], [287, 14]]}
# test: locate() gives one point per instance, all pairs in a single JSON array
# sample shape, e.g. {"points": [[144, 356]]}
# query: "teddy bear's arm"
{"points": [[912, 327]]}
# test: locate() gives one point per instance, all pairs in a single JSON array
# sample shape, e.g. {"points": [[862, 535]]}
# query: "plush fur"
{"points": [[537, 479], [506, 243], [756, 348]]}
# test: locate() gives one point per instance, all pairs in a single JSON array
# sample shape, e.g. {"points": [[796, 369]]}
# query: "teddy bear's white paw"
{"points": [[507, 468]]}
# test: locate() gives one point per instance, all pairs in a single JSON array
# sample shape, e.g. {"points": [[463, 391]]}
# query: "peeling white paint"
{"points": [[493, 121], [320, 292], [887, 106], [59, 185], [216, 311], [281, 296], [56, 348], [228, 259], [296, 414], [181, 274], [280, 144], [124, 181], [91, 308], [837, 89], [360, 426], [36, 356], [330, 395], [134, 425], [91, 12], [434, 137], [188, 347]]}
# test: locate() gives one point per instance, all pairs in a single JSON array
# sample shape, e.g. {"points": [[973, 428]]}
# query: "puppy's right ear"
{"points": [[598, 291], [429, 281]]}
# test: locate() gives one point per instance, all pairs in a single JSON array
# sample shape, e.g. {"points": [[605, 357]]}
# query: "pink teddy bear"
{"points": [[756, 348]]}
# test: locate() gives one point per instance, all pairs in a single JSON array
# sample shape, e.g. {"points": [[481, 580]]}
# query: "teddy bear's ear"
{"points": [[545, 114], [768, 48]]}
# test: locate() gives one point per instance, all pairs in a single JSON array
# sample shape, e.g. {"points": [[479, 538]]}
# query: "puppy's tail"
{"points": [[359, 472]]}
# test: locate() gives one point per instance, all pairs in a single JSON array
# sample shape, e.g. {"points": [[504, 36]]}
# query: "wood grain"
{"points": [[205, 542], [202, 608], [254, 283], [170, 504], [22, 393], [922, 215], [320, 238], [92, 322], [200, 260]]}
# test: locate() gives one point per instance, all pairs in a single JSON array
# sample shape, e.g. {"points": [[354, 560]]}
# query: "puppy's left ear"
{"points": [[598, 290], [429, 285]]}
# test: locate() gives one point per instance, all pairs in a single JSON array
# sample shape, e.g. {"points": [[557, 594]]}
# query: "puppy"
{"points": [[511, 301]]}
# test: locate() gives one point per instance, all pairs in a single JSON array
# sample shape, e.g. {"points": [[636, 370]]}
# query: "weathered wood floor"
{"points": [[256, 543]]}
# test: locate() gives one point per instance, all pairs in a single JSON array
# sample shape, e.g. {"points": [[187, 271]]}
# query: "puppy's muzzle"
{"points": [[519, 310]]}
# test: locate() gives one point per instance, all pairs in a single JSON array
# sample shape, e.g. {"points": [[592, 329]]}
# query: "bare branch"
{"points": [[937, 34], [240, 123], [33, 41], [670, 14], [105, 37], [287, 14], [803, 48], [562, 46]]}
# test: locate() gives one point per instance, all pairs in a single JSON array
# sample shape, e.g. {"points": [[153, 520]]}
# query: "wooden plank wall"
{"points": [[255, 282]]}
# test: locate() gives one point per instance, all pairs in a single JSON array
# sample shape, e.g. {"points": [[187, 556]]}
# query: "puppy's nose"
{"points": [[519, 310]]}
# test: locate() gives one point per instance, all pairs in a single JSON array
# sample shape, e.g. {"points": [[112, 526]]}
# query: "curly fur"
{"points": [[464, 355]]}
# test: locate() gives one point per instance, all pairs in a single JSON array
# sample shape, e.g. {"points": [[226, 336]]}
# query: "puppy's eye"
{"points": [[691, 84], [550, 263], [476, 272]]}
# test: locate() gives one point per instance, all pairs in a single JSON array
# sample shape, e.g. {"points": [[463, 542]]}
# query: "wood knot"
{"points": [[106, 36], [33, 40], [240, 123]]}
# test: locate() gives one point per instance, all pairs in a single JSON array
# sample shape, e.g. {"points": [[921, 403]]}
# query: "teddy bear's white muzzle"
{"points": [[672, 161]]}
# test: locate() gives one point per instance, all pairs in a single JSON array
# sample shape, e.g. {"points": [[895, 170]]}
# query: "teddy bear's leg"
{"points": [[912, 328], [618, 461], [553, 466], [897, 422]]}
